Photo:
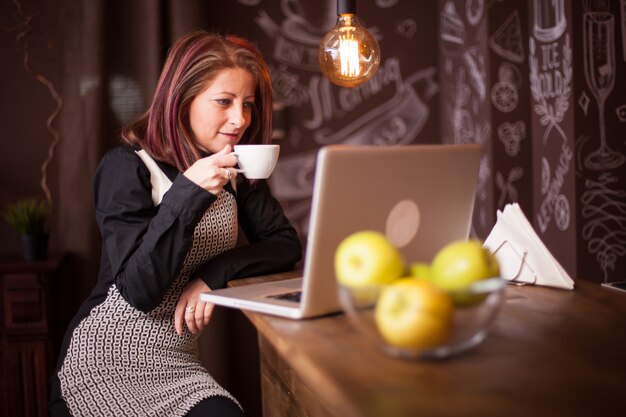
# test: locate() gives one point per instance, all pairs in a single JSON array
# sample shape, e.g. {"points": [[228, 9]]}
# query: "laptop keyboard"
{"points": [[288, 296]]}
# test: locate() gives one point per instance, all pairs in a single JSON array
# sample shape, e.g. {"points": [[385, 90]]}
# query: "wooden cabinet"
{"points": [[29, 337]]}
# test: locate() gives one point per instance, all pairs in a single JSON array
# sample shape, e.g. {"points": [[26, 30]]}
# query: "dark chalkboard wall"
{"points": [[599, 137], [398, 106], [516, 76]]}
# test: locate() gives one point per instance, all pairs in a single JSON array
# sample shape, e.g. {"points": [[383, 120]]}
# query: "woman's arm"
{"points": [[146, 245], [274, 243]]}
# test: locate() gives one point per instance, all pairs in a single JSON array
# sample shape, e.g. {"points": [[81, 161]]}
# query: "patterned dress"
{"points": [[136, 360], [121, 355]]}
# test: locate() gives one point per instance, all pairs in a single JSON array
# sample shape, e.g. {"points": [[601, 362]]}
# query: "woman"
{"points": [[132, 348]]}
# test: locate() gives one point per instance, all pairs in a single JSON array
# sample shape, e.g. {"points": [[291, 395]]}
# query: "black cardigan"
{"points": [[144, 245]]}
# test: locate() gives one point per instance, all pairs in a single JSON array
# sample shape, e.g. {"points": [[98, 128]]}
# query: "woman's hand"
{"points": [[213, 172], [191, 310]]}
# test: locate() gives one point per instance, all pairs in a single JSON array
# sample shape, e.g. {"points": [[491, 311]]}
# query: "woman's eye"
{"points": [[223, 101], [249, 104]]}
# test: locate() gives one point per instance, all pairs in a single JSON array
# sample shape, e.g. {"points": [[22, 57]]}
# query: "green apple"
{"points": [[367, 258], [460, 264], [414, 313]]}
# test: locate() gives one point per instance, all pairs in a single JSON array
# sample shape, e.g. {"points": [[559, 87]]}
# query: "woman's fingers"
{"points": [[179, 315], [191, 310], [202, 315], [213, 172], [190, 319], [208, 312]]}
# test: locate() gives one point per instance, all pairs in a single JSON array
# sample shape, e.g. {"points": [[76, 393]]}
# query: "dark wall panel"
{"points": [[398, 106]]}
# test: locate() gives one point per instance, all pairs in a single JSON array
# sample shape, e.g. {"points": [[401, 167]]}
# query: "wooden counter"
{"points": [[550, 353]]}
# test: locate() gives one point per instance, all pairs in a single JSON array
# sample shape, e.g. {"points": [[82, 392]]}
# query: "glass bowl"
{"points": [[470, 320]]}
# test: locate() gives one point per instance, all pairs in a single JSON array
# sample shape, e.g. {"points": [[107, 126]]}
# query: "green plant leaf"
{"points": [[27, 216]]}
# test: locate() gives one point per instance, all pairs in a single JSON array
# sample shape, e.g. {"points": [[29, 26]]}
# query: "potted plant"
{"points": [[29, 219]]}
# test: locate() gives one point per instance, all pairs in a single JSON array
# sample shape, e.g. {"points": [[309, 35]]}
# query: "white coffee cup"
{"points": [[257, 161]]}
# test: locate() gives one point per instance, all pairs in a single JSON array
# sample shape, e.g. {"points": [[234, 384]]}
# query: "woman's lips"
{"points": [[231, 136]]}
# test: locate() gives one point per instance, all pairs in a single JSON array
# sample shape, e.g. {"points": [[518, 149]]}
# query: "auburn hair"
{"points": [[192, 63]]}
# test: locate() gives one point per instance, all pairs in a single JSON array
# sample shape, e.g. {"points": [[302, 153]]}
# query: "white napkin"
{"points": [[522, 256]]}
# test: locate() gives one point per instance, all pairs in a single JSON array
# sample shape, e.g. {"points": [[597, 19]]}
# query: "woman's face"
{"points": [[220, 114]]}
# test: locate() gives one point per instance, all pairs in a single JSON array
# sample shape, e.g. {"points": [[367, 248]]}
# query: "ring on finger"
{"points": [[228, 174], [190, 309]]}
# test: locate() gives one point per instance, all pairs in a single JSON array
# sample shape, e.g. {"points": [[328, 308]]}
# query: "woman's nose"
{"points": [[237, 117]]}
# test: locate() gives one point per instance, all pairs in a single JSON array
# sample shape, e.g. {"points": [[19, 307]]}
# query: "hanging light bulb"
{"points": [[348, 55]]}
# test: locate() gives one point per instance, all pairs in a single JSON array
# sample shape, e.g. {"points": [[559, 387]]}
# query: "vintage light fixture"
{"points": [[348, 55]]}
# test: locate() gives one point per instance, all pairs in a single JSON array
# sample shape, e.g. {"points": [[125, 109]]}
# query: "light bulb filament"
{"points": [[349, 55]]}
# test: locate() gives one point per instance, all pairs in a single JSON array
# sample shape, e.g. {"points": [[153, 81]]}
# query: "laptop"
{"points": [[420, 196]]}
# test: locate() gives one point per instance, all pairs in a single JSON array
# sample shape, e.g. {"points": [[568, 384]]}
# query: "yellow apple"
{"points": [[414, 313], [367, 258], [419, 270], [460, 264]]}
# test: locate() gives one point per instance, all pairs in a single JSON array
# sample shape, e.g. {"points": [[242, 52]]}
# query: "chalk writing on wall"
{"points": [[550, 62], [550, 83]]}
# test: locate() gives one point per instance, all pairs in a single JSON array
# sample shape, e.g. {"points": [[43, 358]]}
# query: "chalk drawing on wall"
{"points": [[295, 185], [383, 4], [507, 40], [297, 49], [296, 176], [504, 93], [287, 88], [308, 21], [597, 5], [599, 68], [475, 63], [584, 101], [452, 27], [474, 11], [561, 212], [448, 66], [296, 38], [550, 83], [623, 25], [294, 136], [603, 213], [464, 42], [394, 122], [406, 28], [545, 175], [555, 204], [484, 177], [462, 121], [621, 113], [391, 109], [549, 18], [511, 135], [508, 191]]}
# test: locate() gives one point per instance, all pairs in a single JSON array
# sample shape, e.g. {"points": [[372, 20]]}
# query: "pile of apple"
{"points": [[415, 308]]}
